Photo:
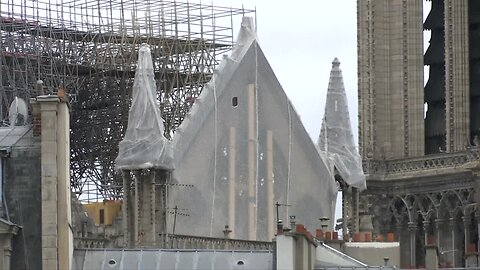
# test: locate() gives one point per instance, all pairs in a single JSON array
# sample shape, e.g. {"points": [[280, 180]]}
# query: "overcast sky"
{"points": [[300, 40]]}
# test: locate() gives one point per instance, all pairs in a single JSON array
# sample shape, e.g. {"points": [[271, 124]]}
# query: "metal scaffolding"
{"points": [[89, 48]]}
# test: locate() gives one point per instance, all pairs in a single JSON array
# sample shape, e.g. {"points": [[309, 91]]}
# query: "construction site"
{"points": [[89, 49], [140, 134]]}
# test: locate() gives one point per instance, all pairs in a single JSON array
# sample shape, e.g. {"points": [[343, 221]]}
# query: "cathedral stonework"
{"points": [[419, 138]]}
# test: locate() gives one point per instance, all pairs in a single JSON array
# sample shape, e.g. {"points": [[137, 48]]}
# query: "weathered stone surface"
{"points": [[22, 191], [418, 141]]}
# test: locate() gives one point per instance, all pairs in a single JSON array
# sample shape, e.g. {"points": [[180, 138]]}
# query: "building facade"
{"points": [[418, 135]]}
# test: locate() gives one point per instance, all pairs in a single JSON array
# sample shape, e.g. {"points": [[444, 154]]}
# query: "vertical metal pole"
{"points": [[276, 206], [174, 218]]}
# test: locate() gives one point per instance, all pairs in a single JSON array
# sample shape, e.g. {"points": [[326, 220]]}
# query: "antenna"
{"points": [[174, 185], [18, 112], [175, 214], [277, 205]]}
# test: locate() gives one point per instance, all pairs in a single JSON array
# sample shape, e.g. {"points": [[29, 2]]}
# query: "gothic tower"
{"points": [[419, 138]]}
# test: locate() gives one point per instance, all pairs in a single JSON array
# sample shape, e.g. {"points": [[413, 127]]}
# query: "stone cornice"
{"points": [[421, 184], [424, 166]]}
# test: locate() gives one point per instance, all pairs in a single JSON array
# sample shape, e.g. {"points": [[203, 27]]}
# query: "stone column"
{"points": [[147, 227], [466, 229], [141, 220], [426, 227], [57, 236], [130, 210], [439, 223], [402, 233], [251, 161], [431, 258], [232, 179], [356, 210], [65, 233], [398, 232], [161, 187], [412, 229], [452, 249], [438, 227], [457, 72]]}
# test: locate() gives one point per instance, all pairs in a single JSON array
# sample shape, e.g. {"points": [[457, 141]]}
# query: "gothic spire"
{"points": [[336, 136]]}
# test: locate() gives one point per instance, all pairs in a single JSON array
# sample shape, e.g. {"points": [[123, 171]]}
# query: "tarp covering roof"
{"points": [[119, 259], [144, 145], [336, 136], [241, 139]]}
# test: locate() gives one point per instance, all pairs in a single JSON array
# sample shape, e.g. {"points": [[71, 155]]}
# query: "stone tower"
{"points": [[419, 142]]}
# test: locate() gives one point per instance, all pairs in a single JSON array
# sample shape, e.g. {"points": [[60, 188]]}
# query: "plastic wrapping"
{"points": [[144, 145], [243, 127], [336, 137]]}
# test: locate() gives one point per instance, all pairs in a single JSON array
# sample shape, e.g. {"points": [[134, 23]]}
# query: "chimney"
{"points": [[292, 222], [279, 227], [51, 124]]}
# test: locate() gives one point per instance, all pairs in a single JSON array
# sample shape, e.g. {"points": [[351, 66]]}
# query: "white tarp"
{"points": [[241, 139], [336, 137], [144, 145]]}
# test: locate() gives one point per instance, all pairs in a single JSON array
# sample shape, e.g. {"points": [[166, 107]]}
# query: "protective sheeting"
{"points": [[336, 137], [103, 259], [144, 146], [243, 148]]}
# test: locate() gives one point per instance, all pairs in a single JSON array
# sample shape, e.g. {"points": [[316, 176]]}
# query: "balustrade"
{"points": [[437, 161]]}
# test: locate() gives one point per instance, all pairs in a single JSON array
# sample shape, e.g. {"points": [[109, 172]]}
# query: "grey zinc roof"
{"points": [[9, 136], [123, 259]]}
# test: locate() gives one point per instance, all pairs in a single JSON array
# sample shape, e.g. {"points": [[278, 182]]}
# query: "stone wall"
{"points": [[22, 193]]}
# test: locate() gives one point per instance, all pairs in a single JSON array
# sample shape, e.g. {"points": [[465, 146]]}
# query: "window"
{"points": [[234, 102], [102, 216]]}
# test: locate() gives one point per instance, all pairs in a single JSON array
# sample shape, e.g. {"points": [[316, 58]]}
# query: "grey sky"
{"points": [[300, 39]]}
